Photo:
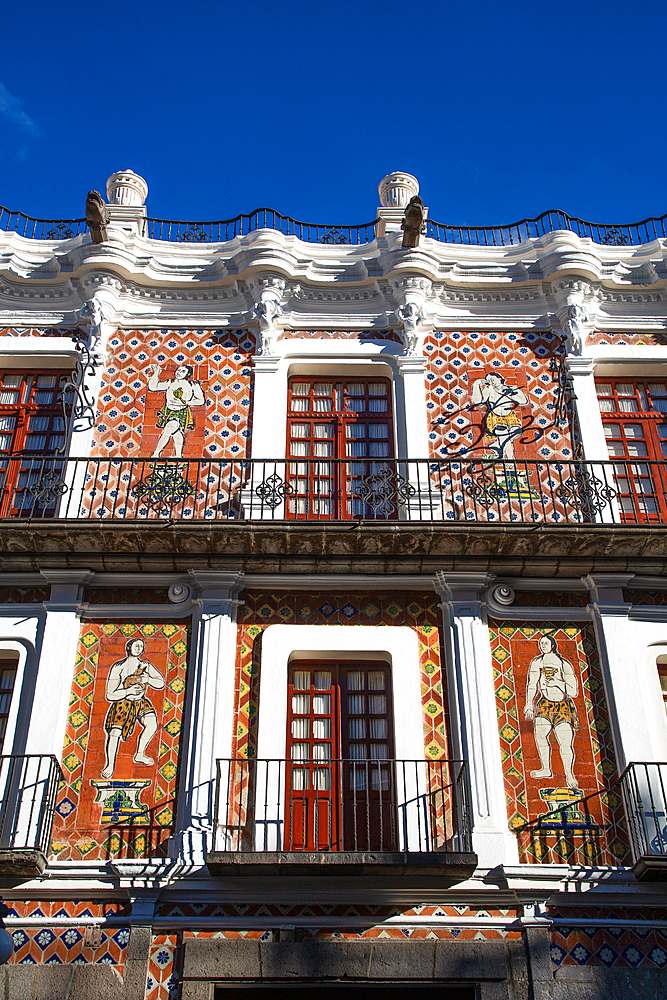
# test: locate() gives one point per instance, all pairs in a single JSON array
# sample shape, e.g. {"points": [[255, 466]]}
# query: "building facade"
{"points": [[333, 583]]}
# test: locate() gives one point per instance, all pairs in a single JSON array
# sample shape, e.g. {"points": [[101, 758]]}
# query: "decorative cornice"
{"points": [[150, 282]]}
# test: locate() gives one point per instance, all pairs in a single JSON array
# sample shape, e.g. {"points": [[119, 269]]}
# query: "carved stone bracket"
{"points": [[578, 306], [411, 315], [266, 313]]}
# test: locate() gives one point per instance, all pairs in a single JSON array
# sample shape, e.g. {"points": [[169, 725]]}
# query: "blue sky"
{"points": [[501, 109]]}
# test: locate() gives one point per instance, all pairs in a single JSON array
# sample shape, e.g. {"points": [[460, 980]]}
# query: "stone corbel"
{"points": [[411, 315], [578, 305], [266, 313], [94, 314]]}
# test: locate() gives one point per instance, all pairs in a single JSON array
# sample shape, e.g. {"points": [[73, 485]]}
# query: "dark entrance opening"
{"points": [[353, 991]]}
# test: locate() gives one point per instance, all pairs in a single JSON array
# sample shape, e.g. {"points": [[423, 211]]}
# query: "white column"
{"points": [[48, 719], [620, 658], [599, 477], [474, 720], [414, 420], [211, 721], [98, 309], [269, 430], [593, 440]]}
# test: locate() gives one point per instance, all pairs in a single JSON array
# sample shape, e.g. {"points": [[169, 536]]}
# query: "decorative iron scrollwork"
{"points": [[74, 397], [60, 231], [382, 490], [563, 383], [334, 234], [273, 490], [165, 487], [585, 492], [194, 234], [485, 490], [615, 237], [499, 483], [50, 486]]}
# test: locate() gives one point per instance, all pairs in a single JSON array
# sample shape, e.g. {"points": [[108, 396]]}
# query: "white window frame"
{"points": [[398, 645]]}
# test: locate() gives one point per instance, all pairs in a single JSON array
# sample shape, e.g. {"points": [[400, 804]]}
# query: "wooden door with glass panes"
{"points": [[32, 426], [634, 416], [339, 433], [340, 782]]}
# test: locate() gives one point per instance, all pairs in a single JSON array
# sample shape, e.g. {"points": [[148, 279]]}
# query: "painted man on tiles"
{"points": [[126, 688], [551, 688], [502, 423], [175, 418]]}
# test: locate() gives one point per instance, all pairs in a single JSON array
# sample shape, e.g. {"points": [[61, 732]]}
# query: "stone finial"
{"points": [[126, 188], [397, 188]]}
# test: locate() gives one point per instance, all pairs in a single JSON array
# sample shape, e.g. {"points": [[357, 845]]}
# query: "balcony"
{"points": [[28, 787], [132, 490], [379, 818], [644, 789]]}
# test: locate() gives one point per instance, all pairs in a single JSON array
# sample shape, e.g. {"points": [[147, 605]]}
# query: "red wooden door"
{"points": [[339, 434], [32, 425], [339, 775], [634, 415]]}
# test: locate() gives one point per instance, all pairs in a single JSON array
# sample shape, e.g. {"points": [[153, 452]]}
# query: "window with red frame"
{"points": [[634, 415], [32, 425], [340, 748], [338, 433]]}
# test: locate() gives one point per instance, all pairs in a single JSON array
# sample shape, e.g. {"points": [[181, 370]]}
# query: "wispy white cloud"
{"points": [[11, 107]]}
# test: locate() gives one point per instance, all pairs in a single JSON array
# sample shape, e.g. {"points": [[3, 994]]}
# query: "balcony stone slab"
{"points": [[449, 867], [334, 547], [21, 864]]}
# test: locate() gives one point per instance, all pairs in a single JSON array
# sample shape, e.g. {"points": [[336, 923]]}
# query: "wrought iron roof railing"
{"points": [[612, 234], [221, 231], [261, 218], [40, 229]]}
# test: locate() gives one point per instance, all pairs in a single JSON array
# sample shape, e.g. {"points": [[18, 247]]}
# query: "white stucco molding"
{"points": [[181, 284], [399, 644], [19, 637], [472, 709]]}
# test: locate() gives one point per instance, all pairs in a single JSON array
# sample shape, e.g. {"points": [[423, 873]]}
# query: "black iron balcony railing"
{"points": [[346, 805], [28, 787], [40, 229], [609, 234], [620, 491], [261, 218], [644, 790]]}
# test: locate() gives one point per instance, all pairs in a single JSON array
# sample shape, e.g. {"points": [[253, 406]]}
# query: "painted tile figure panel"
{"points": [[175, 421], [126, 689], [128, 407], [556, 743], [502, 419], [552, 680], [460, 375], [122, 741]]}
